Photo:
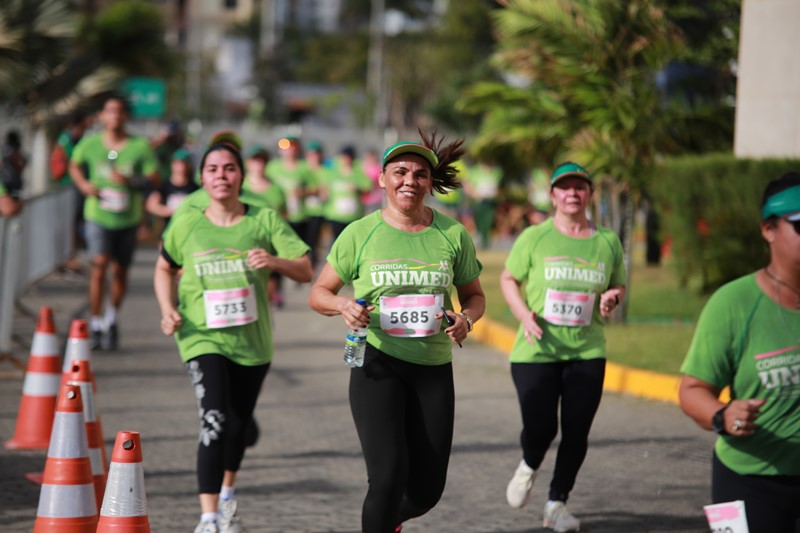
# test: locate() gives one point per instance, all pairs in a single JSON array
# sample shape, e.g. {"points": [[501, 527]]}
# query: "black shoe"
{"points": [[96, 340], [111, 338]]}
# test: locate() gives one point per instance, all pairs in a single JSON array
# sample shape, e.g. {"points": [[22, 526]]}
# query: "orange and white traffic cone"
{"points": [[124, 507], [66, 499], [38, 405], [81, 376], [77, 349]]}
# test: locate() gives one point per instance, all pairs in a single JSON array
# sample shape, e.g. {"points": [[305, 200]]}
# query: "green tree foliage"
{"points": [[53, 61], [129, 34], [581, 86], [463, 44], [34, 41], [711, 206]]}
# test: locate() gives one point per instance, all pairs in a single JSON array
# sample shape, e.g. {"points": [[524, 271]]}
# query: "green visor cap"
{"points": [[783, 203], [406, 147], [569, 170], [182, 154], [256, 150]]}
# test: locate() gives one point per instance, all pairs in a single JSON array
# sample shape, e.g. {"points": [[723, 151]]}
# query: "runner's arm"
{"points": [[81, 181], [164, 285], [324, 299], [510, 288], [298, 269]]}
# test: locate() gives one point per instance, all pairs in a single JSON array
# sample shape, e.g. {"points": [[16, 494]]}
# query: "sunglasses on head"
{"points": [[795, 223]]}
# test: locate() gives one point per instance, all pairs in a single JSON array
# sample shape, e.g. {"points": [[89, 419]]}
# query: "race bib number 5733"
{"points": [[230, 307]]}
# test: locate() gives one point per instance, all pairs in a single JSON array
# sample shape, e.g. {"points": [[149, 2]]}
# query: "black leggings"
{"points": [[404, 417], [226, 397], [770, 502], [579, 386]]}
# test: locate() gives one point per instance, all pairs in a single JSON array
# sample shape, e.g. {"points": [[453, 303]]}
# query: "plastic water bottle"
{"points": [[355, 344]]}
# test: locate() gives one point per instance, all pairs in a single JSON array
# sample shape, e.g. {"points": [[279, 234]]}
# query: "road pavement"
{"points": [[647, 469]]}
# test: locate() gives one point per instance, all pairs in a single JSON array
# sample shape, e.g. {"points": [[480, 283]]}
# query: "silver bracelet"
{"points": [[470, 323]]}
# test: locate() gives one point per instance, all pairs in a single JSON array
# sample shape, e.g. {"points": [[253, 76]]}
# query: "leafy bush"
{"points": [[711, 207]]}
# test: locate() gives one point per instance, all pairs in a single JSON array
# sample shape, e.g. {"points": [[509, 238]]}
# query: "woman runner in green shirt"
{"points": [[748, 339], [405, 260], [574, 277], [222, 325]]}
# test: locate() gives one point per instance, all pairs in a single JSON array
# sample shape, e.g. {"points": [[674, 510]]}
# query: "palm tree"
{"points": [[584, 73]]}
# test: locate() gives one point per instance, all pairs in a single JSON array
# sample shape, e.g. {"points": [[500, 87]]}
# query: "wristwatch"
{"points": [[718, 421]]}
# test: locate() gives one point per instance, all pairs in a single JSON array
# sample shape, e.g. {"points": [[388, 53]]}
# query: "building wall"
{"points": [[768, 89]]}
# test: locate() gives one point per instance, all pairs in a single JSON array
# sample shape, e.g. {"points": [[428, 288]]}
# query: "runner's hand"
{"points": [[258, 258], [531, 328], [170, 322], [609, 301], [356, 315]]}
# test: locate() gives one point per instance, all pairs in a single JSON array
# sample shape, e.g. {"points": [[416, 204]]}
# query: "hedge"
{"points": [[711, 208]]}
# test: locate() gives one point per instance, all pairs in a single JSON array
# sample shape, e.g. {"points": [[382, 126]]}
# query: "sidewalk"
{"points": [[648, 466]]}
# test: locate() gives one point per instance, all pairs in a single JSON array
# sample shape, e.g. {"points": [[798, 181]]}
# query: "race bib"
{"points": [[230, 307], [114, 200], [411, 315], [728, 517], [568, 308], [346, 206], [313, 201], [175, 200]]}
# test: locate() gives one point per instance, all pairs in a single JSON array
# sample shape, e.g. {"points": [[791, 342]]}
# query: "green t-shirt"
{"points": [[745, 340], [293, 181], [272, 197], [318, 178], [485, 181], [120, 206], [574, 272], [344, 194], [3, 191], [381, 260], [214, 258], [199, 200], [67, 145]]}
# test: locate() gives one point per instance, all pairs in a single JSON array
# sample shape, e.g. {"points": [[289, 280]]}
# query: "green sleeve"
{"points": [[79, 153], [171, 238], [342, 256], [149, 159], [518, 262], [284, 240], [618, 276], [467, 266], [710, 357]]}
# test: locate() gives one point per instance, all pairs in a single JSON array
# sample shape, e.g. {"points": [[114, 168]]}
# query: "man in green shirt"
{"points": [[111, 168]]}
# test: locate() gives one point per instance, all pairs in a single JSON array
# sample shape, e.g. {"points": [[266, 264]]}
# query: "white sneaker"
{"points": [[557, 518], [228, 518], [518, 491], [206, 526]]}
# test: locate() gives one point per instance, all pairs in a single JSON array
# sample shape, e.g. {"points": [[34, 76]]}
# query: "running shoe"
{"points": [[228, 518], [95, 340], [207, 526], [518, 491], [557, 518], [111, 338]]}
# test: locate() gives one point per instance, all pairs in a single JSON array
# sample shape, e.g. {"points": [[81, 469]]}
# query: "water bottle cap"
{"points": [[361, 301]]}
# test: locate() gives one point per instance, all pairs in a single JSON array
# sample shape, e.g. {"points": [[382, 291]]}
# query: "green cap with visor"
{"points": [[406, 147], [569, 170], [786, 202]]}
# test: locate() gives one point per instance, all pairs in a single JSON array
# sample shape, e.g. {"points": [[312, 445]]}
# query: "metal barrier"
{"points": [[32, 245]]}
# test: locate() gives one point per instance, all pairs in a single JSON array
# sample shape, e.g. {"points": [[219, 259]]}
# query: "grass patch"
{"points": [[661, 315]]}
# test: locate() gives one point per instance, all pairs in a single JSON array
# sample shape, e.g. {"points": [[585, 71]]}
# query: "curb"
{"points": [[622, 379]]}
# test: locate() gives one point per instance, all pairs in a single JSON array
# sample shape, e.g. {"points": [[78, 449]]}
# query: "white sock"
{"points": [[111, 315], [96, 323], [227, 493], [208, 517]]}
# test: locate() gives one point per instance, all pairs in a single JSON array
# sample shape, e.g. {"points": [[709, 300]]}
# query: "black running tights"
{"points": [[226, 397], [578, 385], [403, 414], [770, 502]]}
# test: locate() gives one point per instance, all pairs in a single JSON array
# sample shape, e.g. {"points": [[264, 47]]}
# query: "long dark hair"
{"points": [[445, 176]]}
